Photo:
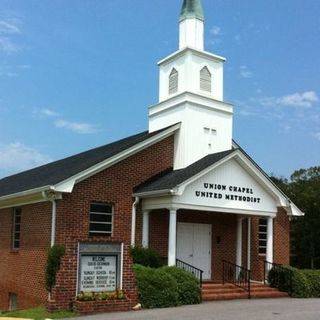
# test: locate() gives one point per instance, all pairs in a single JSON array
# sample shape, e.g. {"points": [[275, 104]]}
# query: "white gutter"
{"points": [[133, 221], [27, 192]]}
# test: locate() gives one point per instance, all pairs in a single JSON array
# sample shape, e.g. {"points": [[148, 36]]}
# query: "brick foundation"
{"points": [[92, 307]]}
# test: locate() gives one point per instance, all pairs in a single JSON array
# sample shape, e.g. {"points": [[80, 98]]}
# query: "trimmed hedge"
{"points": [[305, 283], [188, 286], [166, 287], [145, 257]]}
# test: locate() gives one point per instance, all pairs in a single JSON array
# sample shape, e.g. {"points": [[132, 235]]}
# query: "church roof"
{"points": [[55, 172], [192, 9], [171, 178]]}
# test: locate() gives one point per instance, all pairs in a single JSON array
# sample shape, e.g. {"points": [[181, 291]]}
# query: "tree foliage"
{"points": [[55, 255], [303, 188]]}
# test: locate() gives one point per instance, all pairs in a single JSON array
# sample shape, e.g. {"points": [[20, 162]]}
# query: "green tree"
{"points": [[303, 188]]}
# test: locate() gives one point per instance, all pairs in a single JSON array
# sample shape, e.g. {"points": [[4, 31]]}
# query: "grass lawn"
{"points": [[39, 313]]}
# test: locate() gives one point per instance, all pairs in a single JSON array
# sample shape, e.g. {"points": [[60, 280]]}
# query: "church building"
{"points": [[184, 188]]}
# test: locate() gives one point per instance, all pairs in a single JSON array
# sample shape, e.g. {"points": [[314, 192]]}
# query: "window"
{"points": [[173, 81], [263, 229], [210, 134], [16, 229], [101, 216], [205, 79], [13, 301]]}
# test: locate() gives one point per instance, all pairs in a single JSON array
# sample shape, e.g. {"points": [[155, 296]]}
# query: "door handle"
{"points": [[191, 256]]}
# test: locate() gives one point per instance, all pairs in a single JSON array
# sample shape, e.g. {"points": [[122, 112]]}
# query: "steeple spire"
{"points": [[192, 9], [191, 25]]}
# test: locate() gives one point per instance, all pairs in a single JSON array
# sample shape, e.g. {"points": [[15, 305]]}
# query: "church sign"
{"points": [[99, 267], [98, 273], [227, 192]]}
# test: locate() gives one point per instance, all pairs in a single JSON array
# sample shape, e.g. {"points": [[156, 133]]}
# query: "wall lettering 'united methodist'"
{"points": [[227, 192]]}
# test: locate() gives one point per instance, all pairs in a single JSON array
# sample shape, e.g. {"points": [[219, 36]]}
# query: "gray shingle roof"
{"points": [[172, 178], [55, 172]]}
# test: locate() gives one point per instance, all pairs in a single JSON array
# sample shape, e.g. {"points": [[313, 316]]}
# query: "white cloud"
{"points": [[49, 112], [8, 46], [215, 30], [17, 157], [9, 27], [77, 127], [245, 72], [304, 99], [317, 135], [12, 70]]}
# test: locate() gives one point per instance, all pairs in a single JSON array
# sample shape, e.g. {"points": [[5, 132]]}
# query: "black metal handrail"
{"points": [[277, 279], [198, 273], [237, 275]]}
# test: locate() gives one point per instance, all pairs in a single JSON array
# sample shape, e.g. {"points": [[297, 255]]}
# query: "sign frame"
{"points": [[99, 249]]}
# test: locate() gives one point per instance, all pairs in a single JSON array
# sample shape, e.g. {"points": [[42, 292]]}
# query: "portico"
{"points": [[210, 212]]}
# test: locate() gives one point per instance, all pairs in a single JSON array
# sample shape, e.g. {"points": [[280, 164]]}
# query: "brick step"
{"points": [[222, 290], [228, 291], [268, 294], [224, 296], [264, 289], [218, 286]]}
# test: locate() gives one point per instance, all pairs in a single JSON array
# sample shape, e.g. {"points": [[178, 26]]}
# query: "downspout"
{"points": [[53, 222], [133, 221], [49, 195]]}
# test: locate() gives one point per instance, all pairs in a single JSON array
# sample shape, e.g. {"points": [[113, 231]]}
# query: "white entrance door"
{"points": [[194, 246]]}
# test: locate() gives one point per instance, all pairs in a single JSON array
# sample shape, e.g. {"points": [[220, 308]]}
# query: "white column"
{"points": [[172, 238], [145, 229], [239, 242], [249, 244], [269, 255]]}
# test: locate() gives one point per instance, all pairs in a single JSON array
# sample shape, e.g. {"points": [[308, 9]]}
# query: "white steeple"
{"points": [[191, 25], [191, 93]]}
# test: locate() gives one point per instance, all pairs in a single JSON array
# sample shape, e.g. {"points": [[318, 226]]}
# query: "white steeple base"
{"points": [[191, 34]]}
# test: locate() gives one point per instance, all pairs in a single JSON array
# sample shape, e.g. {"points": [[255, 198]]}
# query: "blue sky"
{"points": [[80, 73]]}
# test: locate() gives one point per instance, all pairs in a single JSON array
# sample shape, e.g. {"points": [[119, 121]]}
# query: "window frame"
{"points": [[14, 232], [174, 72], [260, 233], [205, 80], [101, 233]]}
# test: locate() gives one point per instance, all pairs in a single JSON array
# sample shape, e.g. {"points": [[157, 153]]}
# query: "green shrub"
{"points": [[305, 283], [188, 286], [157, 288], [53, 264], [146, 257], [313, 277], [101, 296]]}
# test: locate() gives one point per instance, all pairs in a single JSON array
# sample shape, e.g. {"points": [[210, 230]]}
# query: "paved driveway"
{"points": [[264, 309]]}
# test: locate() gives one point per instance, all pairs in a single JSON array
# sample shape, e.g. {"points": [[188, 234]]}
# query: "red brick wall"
{"points": [[114, 185], [22, 271], [281, 243]]}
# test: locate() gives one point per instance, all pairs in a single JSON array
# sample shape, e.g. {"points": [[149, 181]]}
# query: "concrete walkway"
{"points": [[264, 309]]}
